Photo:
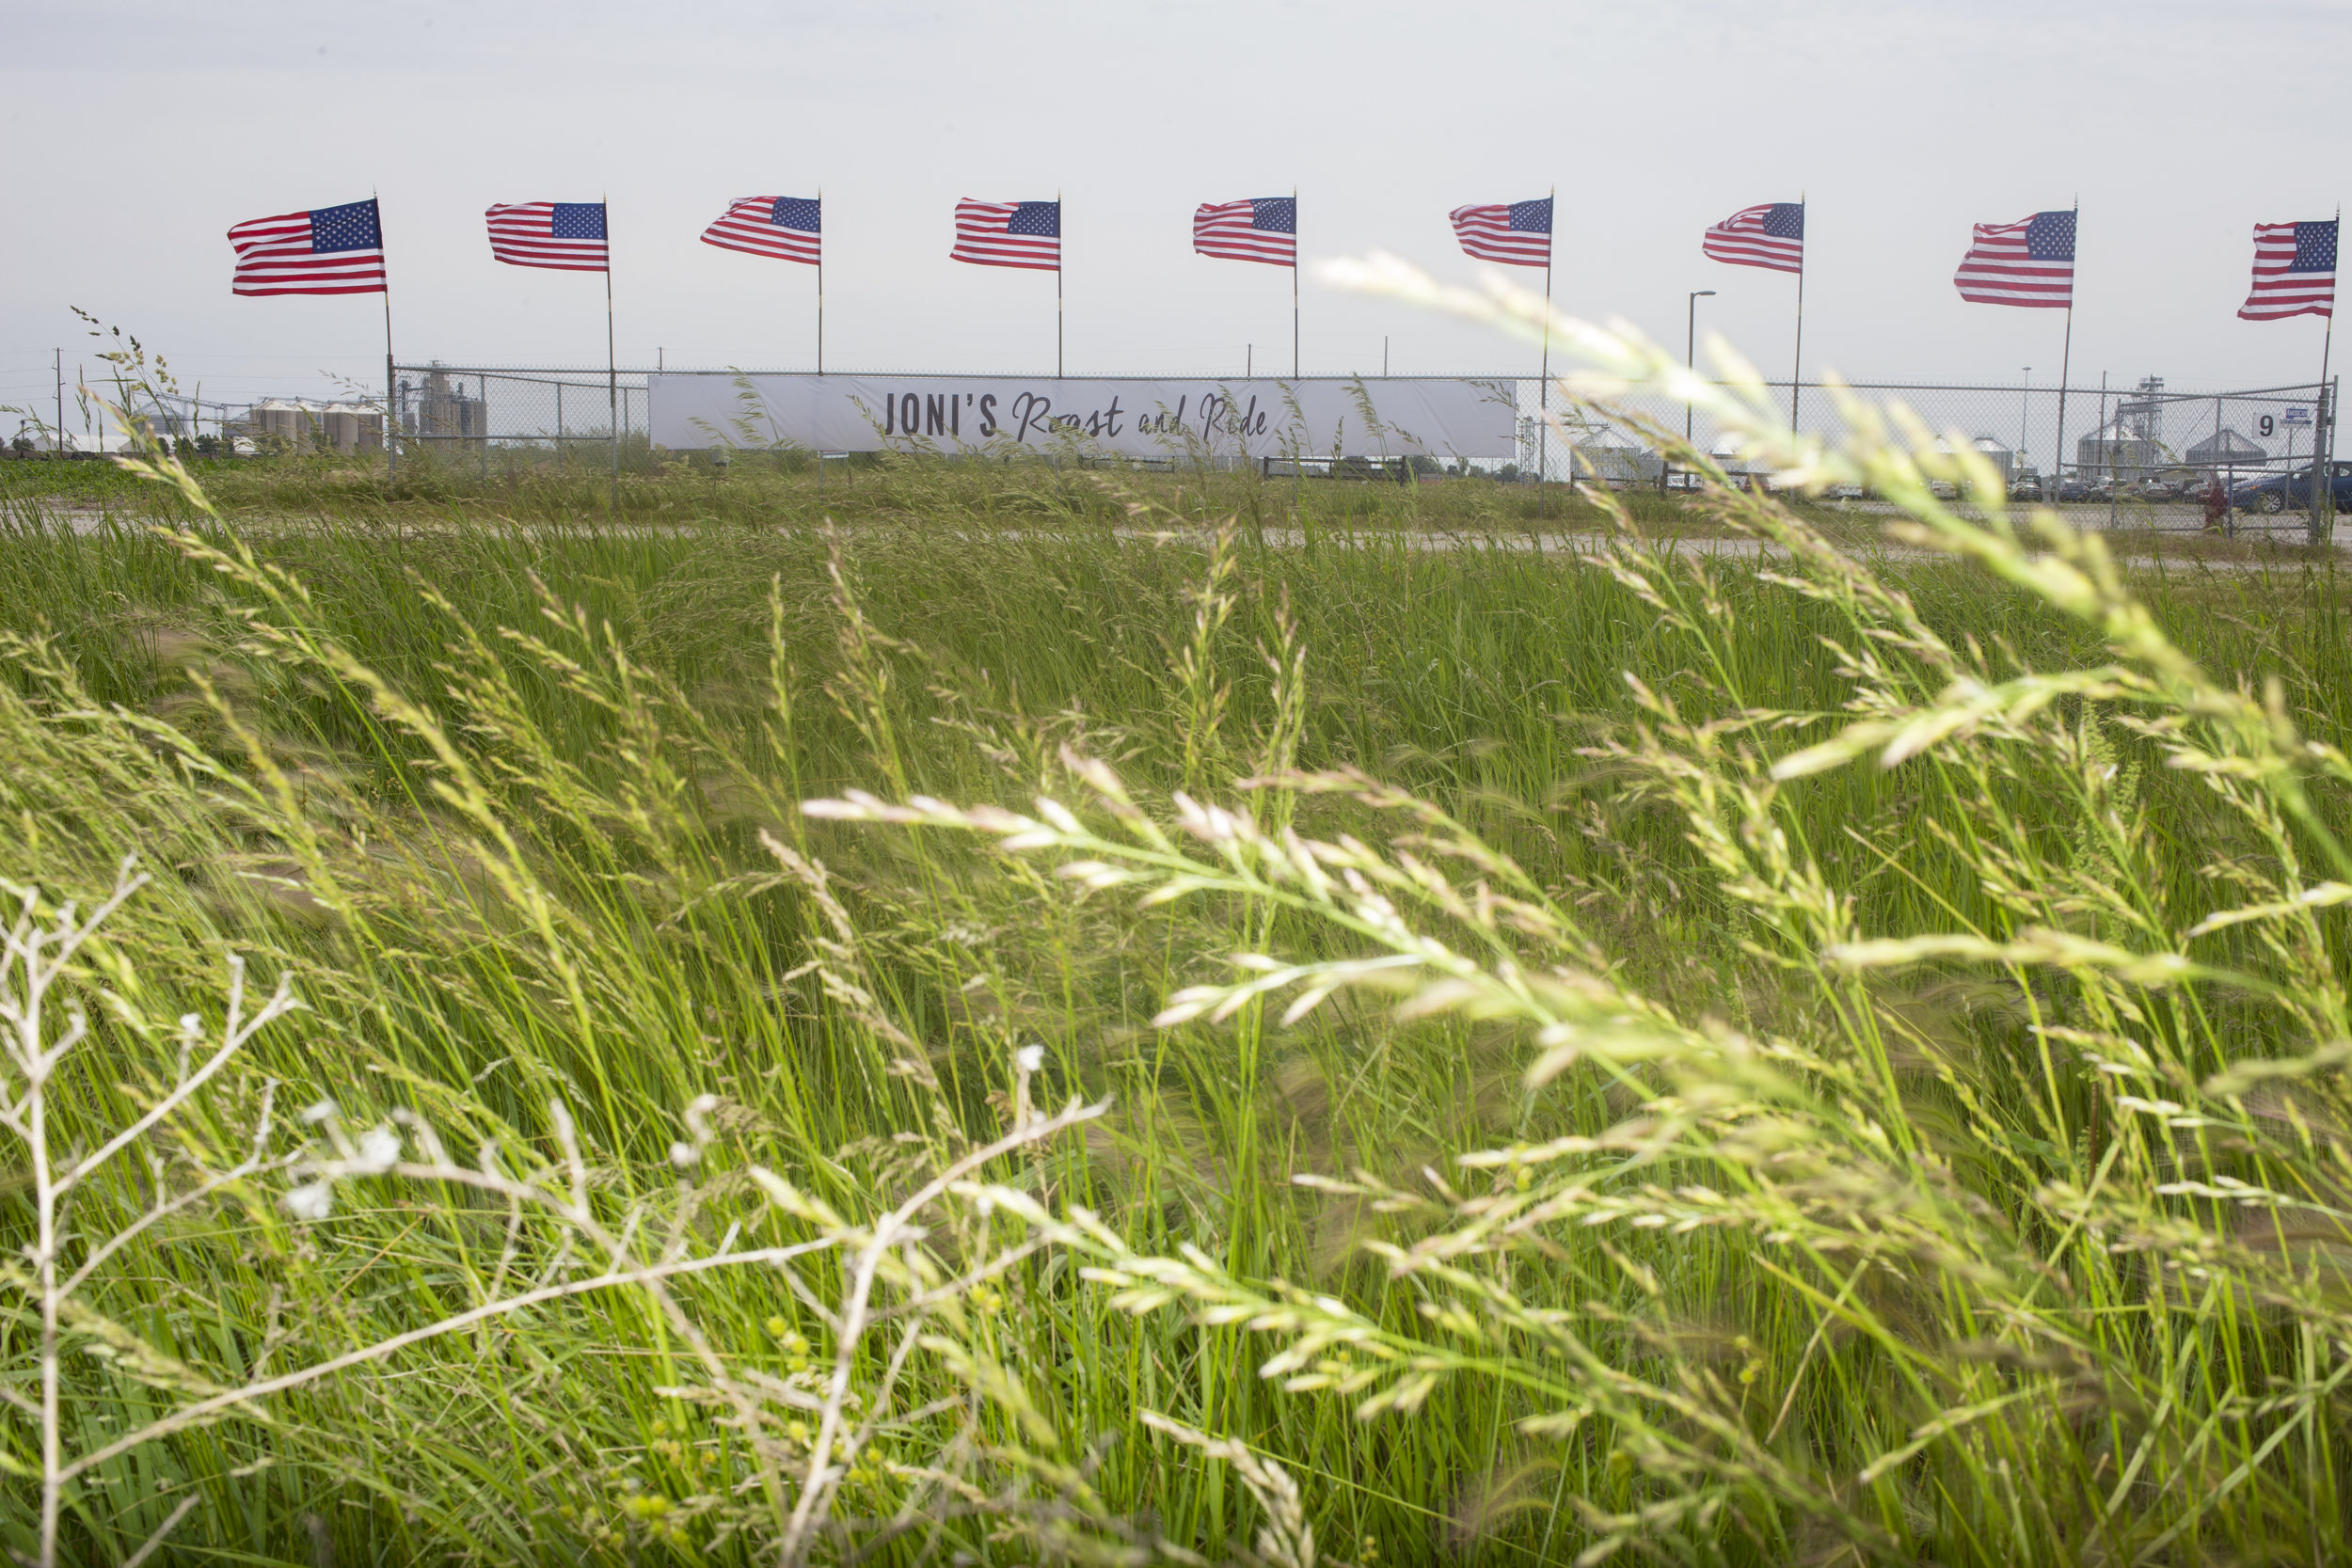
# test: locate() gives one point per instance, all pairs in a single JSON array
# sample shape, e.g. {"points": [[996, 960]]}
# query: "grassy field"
{"points": [[1274, 1042]]}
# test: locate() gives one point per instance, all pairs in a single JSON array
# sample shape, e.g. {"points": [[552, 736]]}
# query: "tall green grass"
{"points": [[1708, 1143]]}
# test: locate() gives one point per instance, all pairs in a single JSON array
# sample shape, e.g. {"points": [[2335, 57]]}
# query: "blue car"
{"points": [[2287, 492]]}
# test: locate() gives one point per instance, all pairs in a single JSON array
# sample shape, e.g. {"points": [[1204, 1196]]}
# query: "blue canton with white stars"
{"points": [[350, 226], [1532, 217], [1274, 215], [2050, 237], [577, 220], [1041, 219], [2315, 247], [791, 212], [1786, 221]]}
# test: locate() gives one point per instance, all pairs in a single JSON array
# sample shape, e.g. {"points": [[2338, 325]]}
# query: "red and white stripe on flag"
{"points": [[2295, 271], [325, 250], [567, 236]]}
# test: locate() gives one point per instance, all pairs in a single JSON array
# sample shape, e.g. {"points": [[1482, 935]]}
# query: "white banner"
{"points": [[1265, 418]]}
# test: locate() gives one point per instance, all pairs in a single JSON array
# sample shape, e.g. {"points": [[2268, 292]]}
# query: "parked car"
{"points": [[2275, 493], [2025, 487]]}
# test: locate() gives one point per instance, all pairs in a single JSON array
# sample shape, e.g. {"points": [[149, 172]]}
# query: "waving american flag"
{"points": [[326, 251], [1769, 235], [1517, 234], [2029, 262], [1263, 228], [567, 236], [783, 227], [1008, 234], [2295, 271]]}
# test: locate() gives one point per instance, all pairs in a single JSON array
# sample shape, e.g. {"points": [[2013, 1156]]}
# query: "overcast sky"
{"points": [[139, 133]]}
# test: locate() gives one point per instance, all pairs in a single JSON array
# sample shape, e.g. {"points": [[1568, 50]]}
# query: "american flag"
{"points": [[1518, 235], [2295, 271], [1008, 234], [1264, 229], [2027, 263], [326, 251], [565, 235], [783, 227], [1771, 235]]}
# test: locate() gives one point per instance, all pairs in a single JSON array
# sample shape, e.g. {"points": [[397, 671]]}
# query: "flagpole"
{"points": [[1796, 368], [612, 361], [1294, 282], [1057, 263], [820, 279], [391, 387], [2066, 357], [2325, 414], [1543, 380]]}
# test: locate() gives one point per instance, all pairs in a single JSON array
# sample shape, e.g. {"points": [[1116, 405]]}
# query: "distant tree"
{"points": [[1508, 473]]}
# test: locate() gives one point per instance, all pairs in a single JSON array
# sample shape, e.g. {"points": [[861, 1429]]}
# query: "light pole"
{"points": [[1691, 351], [2018, 467]]}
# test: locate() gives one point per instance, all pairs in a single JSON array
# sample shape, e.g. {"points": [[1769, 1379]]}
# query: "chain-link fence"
{"points": [[2143, 455], [455, 415]]}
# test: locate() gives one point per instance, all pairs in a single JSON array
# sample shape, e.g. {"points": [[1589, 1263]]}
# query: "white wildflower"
{"points": [[379, 1148], [683, 1155], [1029, 1057], [311, 1202], [322, 1111], [191, 1025]]}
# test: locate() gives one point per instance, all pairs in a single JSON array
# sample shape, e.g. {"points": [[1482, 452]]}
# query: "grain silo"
{"points": [[273, 423], [1991, 449], [2225, 449], [352, 427], [2122, 449]]}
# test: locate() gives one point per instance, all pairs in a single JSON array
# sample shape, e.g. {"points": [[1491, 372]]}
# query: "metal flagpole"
{"points": [[1294, 282], [612, 361], [1057, 262], [2066, 358], [392, 386], [1796, 368], [820, 279], [2323, 414], [1543, 383]]}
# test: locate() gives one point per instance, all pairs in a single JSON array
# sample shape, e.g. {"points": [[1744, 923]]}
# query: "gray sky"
{"points": [[140, 131]]}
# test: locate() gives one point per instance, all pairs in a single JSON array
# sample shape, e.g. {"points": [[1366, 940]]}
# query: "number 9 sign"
{"points": [[2268, 426]]}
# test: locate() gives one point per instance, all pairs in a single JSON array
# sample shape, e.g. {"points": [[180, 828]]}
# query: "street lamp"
{"points": [[2017, 470], [1691, 351]]}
